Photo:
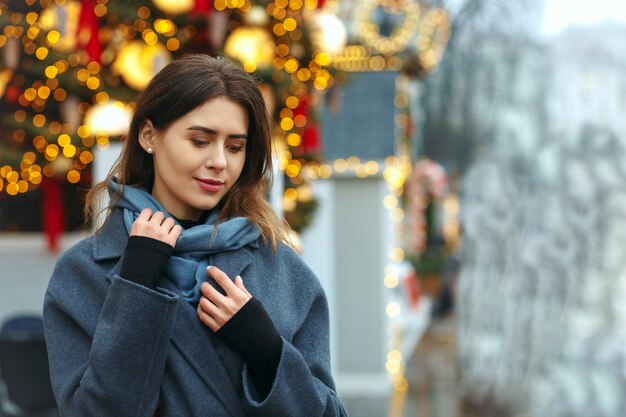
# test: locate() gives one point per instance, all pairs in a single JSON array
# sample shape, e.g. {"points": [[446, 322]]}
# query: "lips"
{"points": [[209, 185]]}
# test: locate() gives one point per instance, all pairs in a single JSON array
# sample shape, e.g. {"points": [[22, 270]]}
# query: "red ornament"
{"points": [[87, 31], [311, 140], [13, 94], [201, 7]]}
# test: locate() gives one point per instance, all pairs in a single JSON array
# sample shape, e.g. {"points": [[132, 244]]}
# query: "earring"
{"points": [[150, 151]]}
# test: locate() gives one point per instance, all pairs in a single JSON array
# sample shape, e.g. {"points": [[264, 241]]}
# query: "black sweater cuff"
{"points": [[252, 334], [145, 260]]}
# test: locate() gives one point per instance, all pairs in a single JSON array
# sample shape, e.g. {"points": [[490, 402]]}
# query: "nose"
{"points": [[216, 159]]}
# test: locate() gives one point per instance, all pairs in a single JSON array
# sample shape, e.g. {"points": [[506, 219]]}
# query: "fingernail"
{"points": [[238, 277], [208, 267]]}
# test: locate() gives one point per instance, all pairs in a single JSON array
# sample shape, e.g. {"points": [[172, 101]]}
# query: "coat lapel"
{"points": [[196, 342]]}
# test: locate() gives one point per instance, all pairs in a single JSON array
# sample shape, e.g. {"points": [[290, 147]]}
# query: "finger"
{"points": [[207, 320], [222, 280], [212, 294], [157, 218], [175, 233], [212, 310], [168, 224], [239, 284], [144, 216]]}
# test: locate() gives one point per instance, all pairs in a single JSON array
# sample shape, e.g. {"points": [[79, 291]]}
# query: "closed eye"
{"points": [[199, 142], [235, 148]]}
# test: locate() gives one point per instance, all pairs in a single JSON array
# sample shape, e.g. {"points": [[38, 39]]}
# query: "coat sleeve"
{"points": [[107, 353], [303, 385]]}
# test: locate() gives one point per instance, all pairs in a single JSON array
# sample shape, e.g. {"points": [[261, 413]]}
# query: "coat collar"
{"points": [[110, 240]]}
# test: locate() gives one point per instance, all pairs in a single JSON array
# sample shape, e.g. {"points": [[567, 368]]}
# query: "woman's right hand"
{"points": [[156, 226]]}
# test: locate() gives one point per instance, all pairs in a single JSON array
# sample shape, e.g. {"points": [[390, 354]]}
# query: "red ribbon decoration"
{"points": [[311, 135], [87, 31], [202, 7], [52, 211]]}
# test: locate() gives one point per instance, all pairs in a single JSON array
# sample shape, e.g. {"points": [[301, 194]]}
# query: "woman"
{"points": [[188, 302]]}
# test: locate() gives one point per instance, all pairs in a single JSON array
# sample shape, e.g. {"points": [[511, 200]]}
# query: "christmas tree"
{"points": [[71, 70]]}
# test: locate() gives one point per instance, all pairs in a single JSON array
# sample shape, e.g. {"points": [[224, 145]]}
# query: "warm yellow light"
{"points": [[137, 62], [173, 44], [291, 194], [29, 157], [174, 6], [51, 71], [64, 140], [371, 168], [102, 142], [149, 37], [291, 65], [40, 143], [12, 176], [41, 53], [325, 171], [31, 17], [282, 50], [286, 124], [35, 177], [249, 66], [391, 281], [11, 189], [73, 176], [32, 32], [279, 29], [292, 102], [93, 83], [69, 151], [392, 309], [293, 139], [22, 186], [397, 254], [163, 25], [320, 83], [83, 131], [53, 36], [390, 201], [60, 94], [323, 59], [251, 44], [82, 75], [143, 12], [43, 92], [290, 24], [303, 74], [39, 120], [111, 118], [102, 97], [340, 165], [30, 94], [52, 151], [85, 157], [396, 214]]}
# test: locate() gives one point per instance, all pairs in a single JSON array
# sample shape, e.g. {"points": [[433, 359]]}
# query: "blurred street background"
{"points": [[454, 172]]}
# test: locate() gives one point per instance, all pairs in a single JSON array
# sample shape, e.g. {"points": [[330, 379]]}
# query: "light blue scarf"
{"points": [[187, 265]]}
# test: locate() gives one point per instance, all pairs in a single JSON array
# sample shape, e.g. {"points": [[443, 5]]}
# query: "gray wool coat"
{"points": [[117, 349]]}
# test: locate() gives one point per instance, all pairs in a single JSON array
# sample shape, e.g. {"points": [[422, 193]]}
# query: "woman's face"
{"points": [[199, 157]]}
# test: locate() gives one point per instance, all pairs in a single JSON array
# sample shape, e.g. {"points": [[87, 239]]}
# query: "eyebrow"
{"points": [[213, 132]]}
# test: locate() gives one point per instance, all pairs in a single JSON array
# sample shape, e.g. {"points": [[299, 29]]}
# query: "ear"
{"points": [[146, 135]]}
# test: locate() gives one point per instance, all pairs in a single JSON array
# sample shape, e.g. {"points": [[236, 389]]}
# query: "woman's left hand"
{"points": [[214, 308]]}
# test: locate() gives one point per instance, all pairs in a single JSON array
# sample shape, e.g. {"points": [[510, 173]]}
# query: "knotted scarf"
{"points": [[186, 268]]}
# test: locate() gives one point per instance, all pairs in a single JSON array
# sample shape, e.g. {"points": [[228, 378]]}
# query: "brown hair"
{"points": [[177, 89]]}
